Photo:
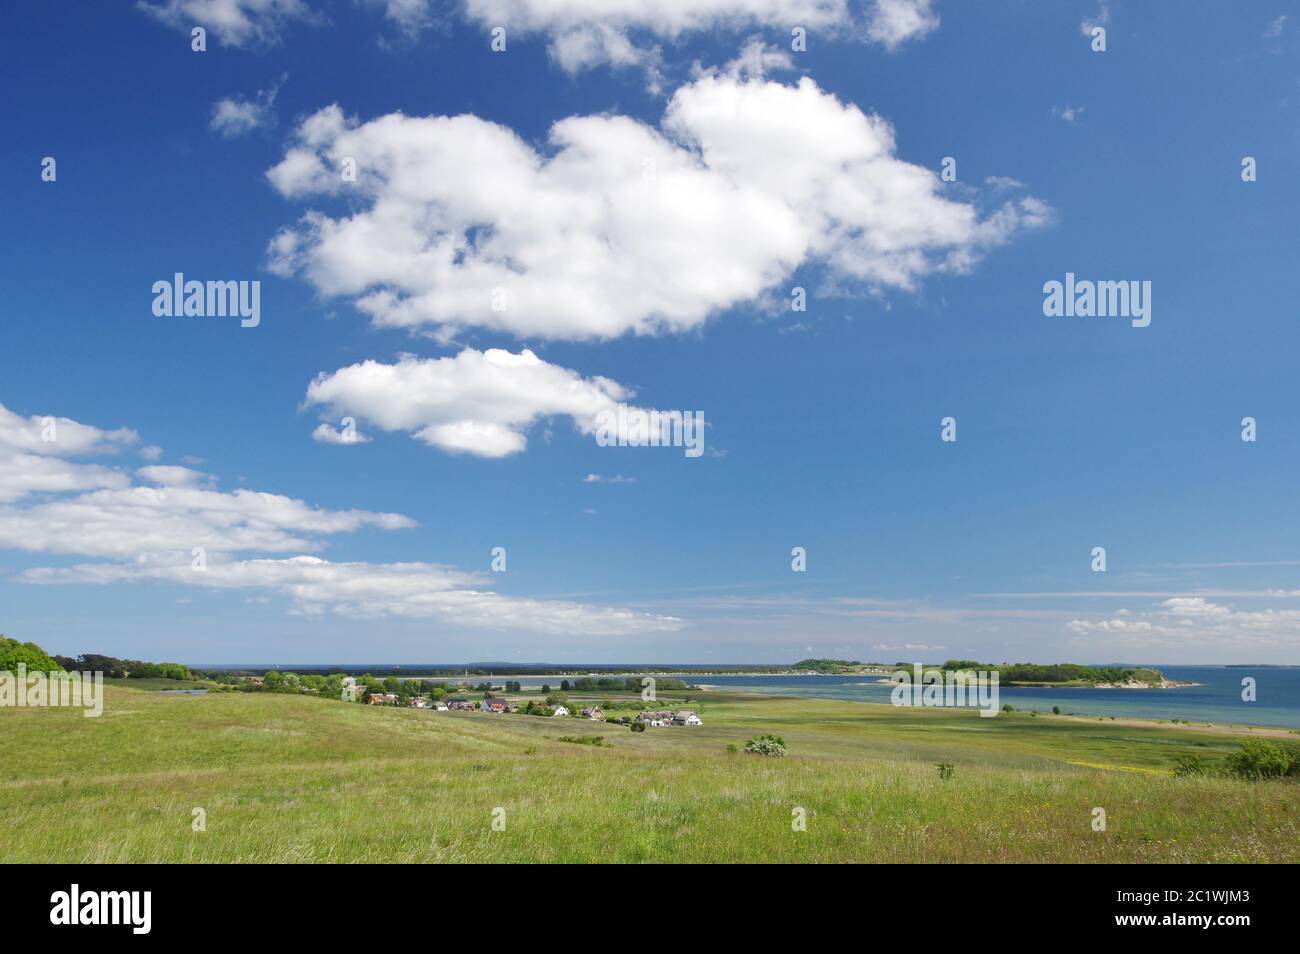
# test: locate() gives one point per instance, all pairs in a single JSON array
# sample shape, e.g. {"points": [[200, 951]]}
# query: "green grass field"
{"points": [[295, 778]]}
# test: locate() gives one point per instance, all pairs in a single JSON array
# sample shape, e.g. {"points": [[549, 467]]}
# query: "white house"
{"points": [[560, 711], [686, 717]]}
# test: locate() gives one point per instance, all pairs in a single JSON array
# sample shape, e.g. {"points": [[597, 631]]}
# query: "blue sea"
{"points": [[1216, 699]]}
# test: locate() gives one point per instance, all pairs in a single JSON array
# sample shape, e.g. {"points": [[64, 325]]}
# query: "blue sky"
{"points": [[823, 426]]}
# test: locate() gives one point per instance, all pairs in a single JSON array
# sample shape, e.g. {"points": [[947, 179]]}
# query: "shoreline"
{"points": [[1222, 728], [876, 677], [1165, 684]]}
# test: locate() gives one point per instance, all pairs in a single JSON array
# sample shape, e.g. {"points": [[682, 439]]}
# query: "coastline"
{"points": [[1019, 684], [1222, 728]]}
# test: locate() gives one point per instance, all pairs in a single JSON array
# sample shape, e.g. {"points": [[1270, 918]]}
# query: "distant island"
{"points": [[1065, 675], [822, 667], [1055, 675]]}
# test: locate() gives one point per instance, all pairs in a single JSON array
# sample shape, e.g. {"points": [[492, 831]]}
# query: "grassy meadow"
{"points": [[288, 778]]}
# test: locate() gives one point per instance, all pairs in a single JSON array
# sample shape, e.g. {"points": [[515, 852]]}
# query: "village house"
{"points": [[686, 717], [594, 713], [560, 711], [655, 718], [493, 705]]}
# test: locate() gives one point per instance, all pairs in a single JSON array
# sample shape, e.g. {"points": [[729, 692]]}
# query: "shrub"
{"points": [[1056, 710], [1259, 759], [766, 745], [584, 739], [638, 726], [945, 770], [1189, 765]]}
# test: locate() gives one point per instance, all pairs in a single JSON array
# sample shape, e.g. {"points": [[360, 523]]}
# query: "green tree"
{"points": [[14, 653]]}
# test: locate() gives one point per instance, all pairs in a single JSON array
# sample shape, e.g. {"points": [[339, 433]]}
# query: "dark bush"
{"points": [[1259, 759]]}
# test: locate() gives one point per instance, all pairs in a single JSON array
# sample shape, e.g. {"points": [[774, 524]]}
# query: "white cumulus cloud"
{"points": [[326, 434], [419, 590], [239, 23], [580, 33], [167, 475], [34, 454], [894, 22], [585, 33], [1192, 622], [619, 226], [236, 116], [477, 402], [50, 504]]}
